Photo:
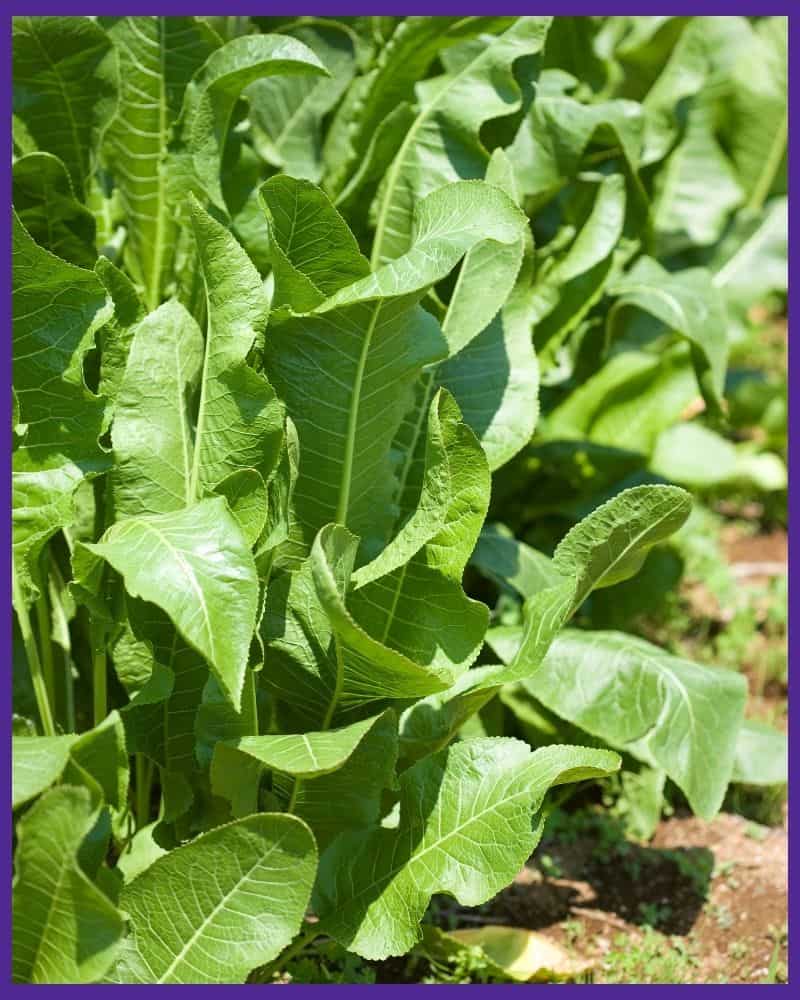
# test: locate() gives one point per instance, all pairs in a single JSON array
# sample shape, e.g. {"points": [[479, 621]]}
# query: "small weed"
{"points": [[549, 866], [721, 915], [328, 963], [653, 958], [738, 949]]}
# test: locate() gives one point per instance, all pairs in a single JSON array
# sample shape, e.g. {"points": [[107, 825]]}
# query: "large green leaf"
{"points": [[627, 403], [488, 329], [212, 94], [762, 755], [158, 56], [358, 354], [403, 60], [37, 762], [410, 595], [759, 116], [239, 420], [687, 209], [751, 260], [288, 112], [313, 252], [569, 284], [687, 303], [552, 140], [65, 929], [152, 430], [195, 565], [303, 755], [672, 714], [443, 144], [334, 779], [605, 548], [57, 310], [65, 88], [48, 209], [465, 827], [214, 909]]}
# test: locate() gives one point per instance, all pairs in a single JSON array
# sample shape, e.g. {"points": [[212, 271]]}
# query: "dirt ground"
{"points": [[716, 892]]}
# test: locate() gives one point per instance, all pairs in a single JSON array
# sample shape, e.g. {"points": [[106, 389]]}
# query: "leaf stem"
{"points": [[767, 176], [32, 653], [293, 797], [144, 779], [250, 702], [46, 647], [99, 673]]}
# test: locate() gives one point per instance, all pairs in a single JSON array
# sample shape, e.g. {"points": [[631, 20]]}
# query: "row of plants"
{"points": [[351, 358]]}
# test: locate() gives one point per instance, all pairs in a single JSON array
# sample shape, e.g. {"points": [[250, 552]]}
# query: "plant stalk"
{"points": [[144, 781], [32, 653], [250, 702], [99, 673], [46, 648]]}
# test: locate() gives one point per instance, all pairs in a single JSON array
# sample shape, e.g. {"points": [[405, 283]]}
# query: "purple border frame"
{"points": [[176, 7]]}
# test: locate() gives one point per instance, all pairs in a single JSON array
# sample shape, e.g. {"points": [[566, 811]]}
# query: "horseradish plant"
{"points": [[254, 439]]}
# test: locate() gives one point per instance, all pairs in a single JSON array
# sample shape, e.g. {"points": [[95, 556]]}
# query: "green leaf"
{"points": [[48, 209], [195, 565], [443, 144], [65, 929], [57, 310], [489, 335], [465, 828], [239, 419], [358, 355], [303, 755], [687, 209], [402, 60], [762, 755], [289, 112], [552, 140], [751, 260], [246, 494], [152, 430], [758, 125], [237, 896], [334, 778], [627, 403], [38, 762], [65, 88], [417, 577], [369, 668], [687, 303], [605, 548], [116, 336], [213, 91], [668, 712], [139, 853], [573, 282], [313, 252], [610, 544], [158, 57], [698, 457], [102, 754]]}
